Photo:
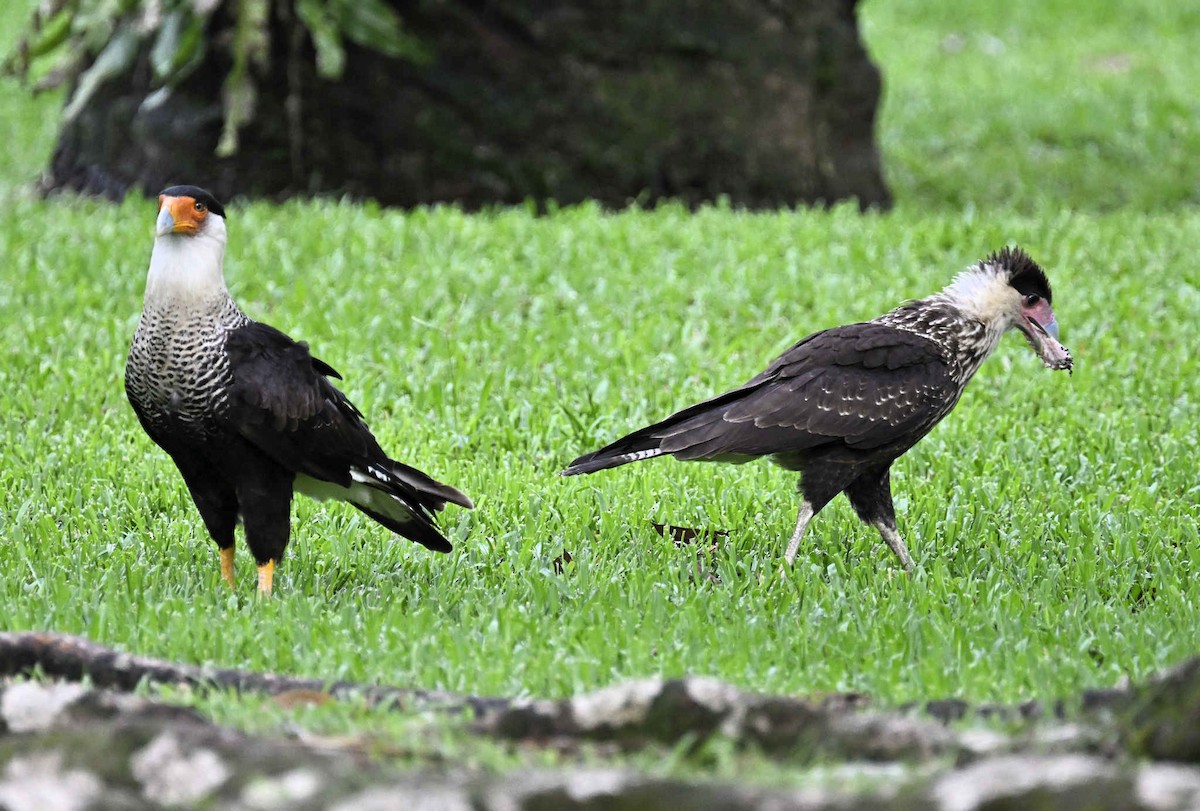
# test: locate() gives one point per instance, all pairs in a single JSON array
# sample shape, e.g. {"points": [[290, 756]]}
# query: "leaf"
{"points": [[252, 37], [687, 535], [115, 59], [240, 99], [376, 25], [323, 28], [560, 562], [251, 42], [179, 47], [51, 25], [51, 35], [191, 52], [166, 44]]}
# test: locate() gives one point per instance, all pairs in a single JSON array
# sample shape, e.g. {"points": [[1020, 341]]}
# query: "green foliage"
{"points": [[85, 43], [251, 43], [370, 23]]}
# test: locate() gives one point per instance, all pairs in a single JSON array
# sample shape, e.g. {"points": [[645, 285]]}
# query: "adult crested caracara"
{"points": [[246, 413], [843, 404]]}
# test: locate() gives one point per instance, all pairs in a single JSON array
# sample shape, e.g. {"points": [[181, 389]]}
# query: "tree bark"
{"points": [[761, 102]]}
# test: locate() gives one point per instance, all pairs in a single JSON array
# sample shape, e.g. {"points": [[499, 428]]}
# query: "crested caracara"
{"points": [[843, 404], [246, 413]]}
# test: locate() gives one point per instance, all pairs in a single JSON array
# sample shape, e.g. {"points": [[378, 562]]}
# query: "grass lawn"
{"points": [[1053, 518]]}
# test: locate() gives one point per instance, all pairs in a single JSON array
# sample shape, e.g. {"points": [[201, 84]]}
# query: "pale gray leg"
{"points": [[793, 547], [892, 538]]}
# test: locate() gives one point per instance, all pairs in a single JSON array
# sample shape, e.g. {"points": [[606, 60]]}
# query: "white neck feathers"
{"points": [[186, 270], [983, 293]]}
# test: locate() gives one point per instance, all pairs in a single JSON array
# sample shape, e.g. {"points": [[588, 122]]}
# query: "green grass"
{"points": [[1038, 106], [1053, 518]]}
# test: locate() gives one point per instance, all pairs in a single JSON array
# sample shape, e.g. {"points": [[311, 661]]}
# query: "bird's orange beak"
{"points": [[179, 215]]}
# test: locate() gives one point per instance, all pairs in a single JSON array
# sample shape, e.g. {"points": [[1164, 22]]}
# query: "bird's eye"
{"points": [[200, 207], [1032, 299]]}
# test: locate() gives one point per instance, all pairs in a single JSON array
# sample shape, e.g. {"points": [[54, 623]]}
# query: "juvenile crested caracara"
{"points": [[843, 404], [246, 413]]}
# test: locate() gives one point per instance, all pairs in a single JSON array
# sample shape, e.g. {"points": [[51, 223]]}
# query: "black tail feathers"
{"points": [[635, 447]]}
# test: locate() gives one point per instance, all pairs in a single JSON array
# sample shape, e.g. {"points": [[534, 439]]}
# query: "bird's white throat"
{"points": [[186, 270]]}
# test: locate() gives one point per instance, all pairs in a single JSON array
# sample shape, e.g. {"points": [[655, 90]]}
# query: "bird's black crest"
{"points": [[197, 193], [1024, 274]]}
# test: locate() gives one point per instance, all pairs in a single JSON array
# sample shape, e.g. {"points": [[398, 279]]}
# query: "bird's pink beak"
{"points": [[1043, 337]]}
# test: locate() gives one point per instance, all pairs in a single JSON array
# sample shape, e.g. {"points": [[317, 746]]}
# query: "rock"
{"points": [[947, 710], [132, 758], [68, 746], [416, 795], [171, 776], [30, 706], [1161, 719], [1025, 781], [880, 736], [1069, 781], [80, 748], [619, 790], [281, 791], [1162, 787], [699, 708], [40, 782]]}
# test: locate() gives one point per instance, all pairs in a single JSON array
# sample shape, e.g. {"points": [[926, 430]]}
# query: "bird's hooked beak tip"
{"points": [[165, 223], [1050, 329]]}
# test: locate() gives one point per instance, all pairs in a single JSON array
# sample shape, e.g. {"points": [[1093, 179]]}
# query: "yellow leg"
{"points": [[227, 566], [266, 573]]}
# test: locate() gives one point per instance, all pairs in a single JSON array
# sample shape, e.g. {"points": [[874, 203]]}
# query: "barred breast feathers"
{"points": [[177, 363]]}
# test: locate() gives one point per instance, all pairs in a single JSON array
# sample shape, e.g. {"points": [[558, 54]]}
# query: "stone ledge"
{"points": [[70, 745]]}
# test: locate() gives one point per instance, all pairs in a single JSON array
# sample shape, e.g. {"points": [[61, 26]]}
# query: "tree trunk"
{"points": [[763, 102]]}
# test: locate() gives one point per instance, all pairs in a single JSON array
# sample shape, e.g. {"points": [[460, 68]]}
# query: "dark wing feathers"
{"points": [[282, 403], [862, 386], [322, 367]]}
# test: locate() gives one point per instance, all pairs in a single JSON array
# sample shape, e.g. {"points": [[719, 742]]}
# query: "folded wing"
{"points": [[282, 402], [861, 386]]}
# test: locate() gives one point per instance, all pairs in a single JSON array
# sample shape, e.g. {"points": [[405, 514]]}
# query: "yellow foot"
{"points": [[266, 573], [227, 566]]}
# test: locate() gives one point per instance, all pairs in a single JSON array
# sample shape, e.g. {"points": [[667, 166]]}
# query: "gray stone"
{"points": [[416, 796], [879, 736], [615, 708], [1168, 787], [1058, 781], [172, 776], [281, 791], [1161, 718], [65, 746], [40, 782], [981, 742], [28, 706]]}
